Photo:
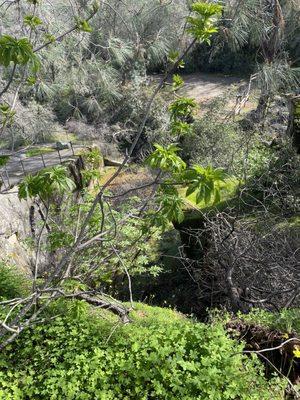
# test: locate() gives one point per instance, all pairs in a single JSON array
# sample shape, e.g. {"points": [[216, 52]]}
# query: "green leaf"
{"points": [[7, 114], [17, 51], [83, 25], [205, 182], [166, 159], [32, 21], [182, 108], [173, 56], [49, 38], [177, 82], [206, 10], [203, 25], [191, 189], [45, 183], [31, 80]]}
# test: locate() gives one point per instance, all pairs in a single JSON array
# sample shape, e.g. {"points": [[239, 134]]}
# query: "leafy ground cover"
{"points": [[160, 355]]}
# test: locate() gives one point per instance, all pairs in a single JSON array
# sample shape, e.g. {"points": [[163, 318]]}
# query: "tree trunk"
{"points": [[261, 109]]}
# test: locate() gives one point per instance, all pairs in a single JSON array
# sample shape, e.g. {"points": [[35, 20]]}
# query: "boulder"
{"points": [[61, 146], [112, 163]]}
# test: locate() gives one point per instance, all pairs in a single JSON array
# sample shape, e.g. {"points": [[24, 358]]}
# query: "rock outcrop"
{"points": [[14, 230]]}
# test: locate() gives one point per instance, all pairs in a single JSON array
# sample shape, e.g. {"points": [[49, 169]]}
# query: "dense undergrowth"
{"points": [[84, 353], [161, 354]]}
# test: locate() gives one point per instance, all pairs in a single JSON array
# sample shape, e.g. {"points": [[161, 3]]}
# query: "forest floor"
{"points": [[205, 87]]}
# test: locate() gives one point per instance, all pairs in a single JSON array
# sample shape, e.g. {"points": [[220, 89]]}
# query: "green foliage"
{"points": [[3, 160], [177, 82], [49, 37], [32, 21], [205, 182], [182, 108], [223, 143], [73, 286], [94, 163], [83, 25], [277, 77], [202, 182], [171, 205], [122, 232], [59, 239], [286, 321], [228, 191], [17, 51], [37, 151], [202, 26], [31, 80], [181, 114], [161, 355], [166, 158], [96, 6], [7, 114], [173, 57], [12, 282], [45, 183], [93, 158], [259, 159]]}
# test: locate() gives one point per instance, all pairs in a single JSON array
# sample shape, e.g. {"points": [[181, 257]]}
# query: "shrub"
{"points": [[32, 124], [3, 160], [12, 282], [214, 141], [287, 320], [160, 355]]}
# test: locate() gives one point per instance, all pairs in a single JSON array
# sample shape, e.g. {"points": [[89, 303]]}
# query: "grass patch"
{"points": [[107, 174], [12, 282], [287, 320], [37, 151], [64, 137]]}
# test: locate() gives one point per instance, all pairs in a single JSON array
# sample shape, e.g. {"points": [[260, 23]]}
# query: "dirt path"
{"points": [[200, 86], [205, 87], [19, 165]]}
